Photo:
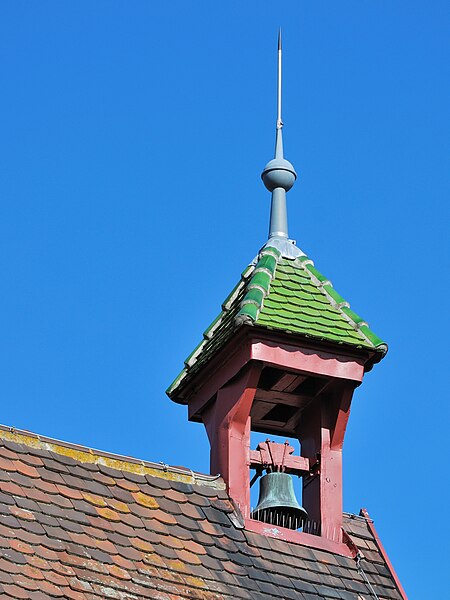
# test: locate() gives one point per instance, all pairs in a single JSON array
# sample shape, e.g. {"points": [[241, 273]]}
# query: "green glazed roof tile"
{"points": [[353, 316], [261, 279], [251, 310], [268, 262], [254, 295], [286, 295], [336, 297], [312, 269]]}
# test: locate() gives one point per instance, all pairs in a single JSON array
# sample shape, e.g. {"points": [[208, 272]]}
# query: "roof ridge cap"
{"points": [[339, 303], [250, 306], [85, 454]]}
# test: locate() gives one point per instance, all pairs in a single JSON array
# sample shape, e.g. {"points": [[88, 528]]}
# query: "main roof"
{"points": [[287, 295], [81, 524]]}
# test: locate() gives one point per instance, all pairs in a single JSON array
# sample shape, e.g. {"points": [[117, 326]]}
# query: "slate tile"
{"points": [[80, 471], [290, 594], [133, 477], [176, 496], [346, 563], [226, 544], [304, 586], [13, 556], [166, 551], [63, 459], [257, 540], [23, 481], [186, 523], [158, 482], [147, 535], [94, 487], [14, 591], [5, 577], [132, 521], [338, 571], [328, 580], [221, 494], [38, 595], [260, 574], [122, 495], [199, 500], [327, 592], [243, 559], [216, 516], [355, 585], [202, 538], [169, 506], [222, 505], [382, 570], [55, 465], [346, 595], [90, 466], [257, 595], [4, 477], [10, 521], [234, 534], [195, 542], [7, 499], [15, 448], [268, 588], [114, 473], [227, 578], [240, 592], [7, 453], [212, 563]]}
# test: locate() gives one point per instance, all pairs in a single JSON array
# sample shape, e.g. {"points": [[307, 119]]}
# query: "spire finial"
{"points": [[279, 175], [279, 119]]}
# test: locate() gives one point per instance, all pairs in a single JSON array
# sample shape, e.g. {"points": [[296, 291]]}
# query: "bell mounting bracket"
{"points": [[272, 456]]}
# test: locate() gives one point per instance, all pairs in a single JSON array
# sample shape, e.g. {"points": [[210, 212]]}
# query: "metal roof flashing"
{"points": [[285, 246]]}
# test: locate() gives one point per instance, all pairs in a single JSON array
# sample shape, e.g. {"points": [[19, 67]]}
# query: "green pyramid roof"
{"points": [[288, 295]]}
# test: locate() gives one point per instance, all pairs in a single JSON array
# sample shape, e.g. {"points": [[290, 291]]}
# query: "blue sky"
{"points": [[132, 140]]}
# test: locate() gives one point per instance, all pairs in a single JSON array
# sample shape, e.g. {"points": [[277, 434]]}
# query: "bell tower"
{"points": [[283, 357]]}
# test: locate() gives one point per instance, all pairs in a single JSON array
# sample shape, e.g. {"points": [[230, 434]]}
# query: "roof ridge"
{"points": [[264, 296], [258, 287], [342, 305], [226, 306], [84, 454], [208, 334]]}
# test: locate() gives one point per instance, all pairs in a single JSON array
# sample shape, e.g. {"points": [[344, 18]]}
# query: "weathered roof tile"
{"points": [[150, 536]]}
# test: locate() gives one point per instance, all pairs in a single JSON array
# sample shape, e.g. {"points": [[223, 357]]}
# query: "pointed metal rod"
{"points": [[279, 175], [279, 120]]}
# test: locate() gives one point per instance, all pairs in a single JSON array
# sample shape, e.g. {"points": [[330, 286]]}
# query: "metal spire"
{"points": [[279, 120], [279, 175]]}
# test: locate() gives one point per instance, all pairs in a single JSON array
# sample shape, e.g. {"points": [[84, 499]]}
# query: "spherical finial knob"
{"points": [[279, 173]]}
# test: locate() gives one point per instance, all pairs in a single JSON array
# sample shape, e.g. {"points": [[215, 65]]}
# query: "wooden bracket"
{"points": [[279, 457]]}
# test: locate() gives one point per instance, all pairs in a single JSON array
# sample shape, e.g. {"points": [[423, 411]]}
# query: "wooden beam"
{"points": [[316, 362], [296, 400], [288, 382], [296, 465]]}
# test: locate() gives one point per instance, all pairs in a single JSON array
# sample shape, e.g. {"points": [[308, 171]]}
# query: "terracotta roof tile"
{"points": [[73, 525]]}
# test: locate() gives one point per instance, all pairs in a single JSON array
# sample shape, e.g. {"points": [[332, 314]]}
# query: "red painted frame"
{"points": [[221, 395], [300, 538]]}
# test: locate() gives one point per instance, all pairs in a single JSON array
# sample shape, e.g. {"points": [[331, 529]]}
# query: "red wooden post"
{"points": [[321, 432], [222, 397], [227, 422]]}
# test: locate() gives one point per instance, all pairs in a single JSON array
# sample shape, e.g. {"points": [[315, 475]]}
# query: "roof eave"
{"points": [[194, 378]]}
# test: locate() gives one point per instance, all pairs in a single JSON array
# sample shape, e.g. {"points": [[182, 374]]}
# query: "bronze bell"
{"points": [[277, 504]]}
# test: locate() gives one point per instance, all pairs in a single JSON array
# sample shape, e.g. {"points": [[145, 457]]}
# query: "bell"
{"points": [[277, 503]]}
